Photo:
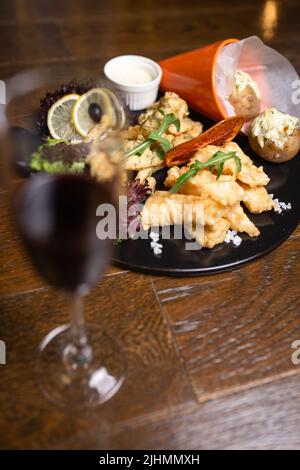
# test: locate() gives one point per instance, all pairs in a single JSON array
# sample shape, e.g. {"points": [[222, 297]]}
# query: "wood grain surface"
{"points": [[209, 358]]}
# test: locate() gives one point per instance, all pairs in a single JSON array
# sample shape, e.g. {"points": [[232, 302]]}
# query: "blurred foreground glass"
{"points": [[78, 364]]}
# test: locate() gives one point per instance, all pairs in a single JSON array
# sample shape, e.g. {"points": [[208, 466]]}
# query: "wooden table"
{"points": [[209, 357]]}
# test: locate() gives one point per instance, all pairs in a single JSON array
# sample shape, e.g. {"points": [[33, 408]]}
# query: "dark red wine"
{"points": [[56, 217]]}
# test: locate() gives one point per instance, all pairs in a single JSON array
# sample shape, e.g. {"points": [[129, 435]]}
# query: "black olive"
{"points": [[95, 112]]}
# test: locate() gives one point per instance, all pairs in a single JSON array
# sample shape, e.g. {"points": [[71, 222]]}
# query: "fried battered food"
{"points": [[253, 176], [144, 174], [163, 209], [239, 221], [151, 183], [190, 187], [213, 212], [170, 103], [150, 121], [133, 133], [225, 190], [249, 174], [139, 162], [257, 200], [215, 234], [212, 235]]}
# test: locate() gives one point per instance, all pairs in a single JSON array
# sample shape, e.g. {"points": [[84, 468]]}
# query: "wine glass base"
{"points": [[88, 385]]}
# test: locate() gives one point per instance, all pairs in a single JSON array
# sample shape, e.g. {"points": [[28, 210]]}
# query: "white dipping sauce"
{"points": [[136, 77], [131, 74]]}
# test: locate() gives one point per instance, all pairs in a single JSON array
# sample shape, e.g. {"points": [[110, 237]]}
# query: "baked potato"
{"points": [[275, 136], [245, 97]]}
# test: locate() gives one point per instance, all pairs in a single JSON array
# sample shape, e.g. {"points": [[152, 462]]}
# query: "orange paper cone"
{"points": [[192, 76]]}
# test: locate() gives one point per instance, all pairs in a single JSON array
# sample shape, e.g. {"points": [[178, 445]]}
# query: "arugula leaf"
{"points": [[160, 152], [139, 150], [215, 162], [163, 142], [167, 121], [156, 136], [51, 141], [220, 169], [238, 163]]}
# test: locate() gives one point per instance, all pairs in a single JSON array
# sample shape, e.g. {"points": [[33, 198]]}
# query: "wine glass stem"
{"points": [[77, 321], [79, 352]]}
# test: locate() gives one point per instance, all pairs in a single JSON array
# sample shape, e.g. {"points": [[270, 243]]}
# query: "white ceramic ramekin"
{"points": [[137, 96]]}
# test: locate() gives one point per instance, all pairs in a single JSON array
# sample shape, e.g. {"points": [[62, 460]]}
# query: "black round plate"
{"points": [[23, 144], [275, 228]]}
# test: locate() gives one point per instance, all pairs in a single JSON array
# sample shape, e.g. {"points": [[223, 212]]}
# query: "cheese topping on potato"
{"points": [[242, 80], [275, 126]]}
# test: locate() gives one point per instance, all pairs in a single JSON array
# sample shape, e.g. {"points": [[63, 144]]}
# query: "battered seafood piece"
{"points": [[257, 200], [245, 97], [151, 183], [275, 136], [163, 209], [161, 205], [170, 103], [234, 186], [144, 174], [150, 121], [212, 235], [135, 162], [239, 221], [249, 174], [225, 190]]}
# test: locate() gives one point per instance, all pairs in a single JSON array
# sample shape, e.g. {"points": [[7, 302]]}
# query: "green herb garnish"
{"points": [[39, 163], [156, 136], [50, 141], [216, 162]]}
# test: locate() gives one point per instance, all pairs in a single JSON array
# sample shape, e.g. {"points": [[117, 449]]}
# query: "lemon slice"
{"points": [[59, 119], [81, 117]]}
